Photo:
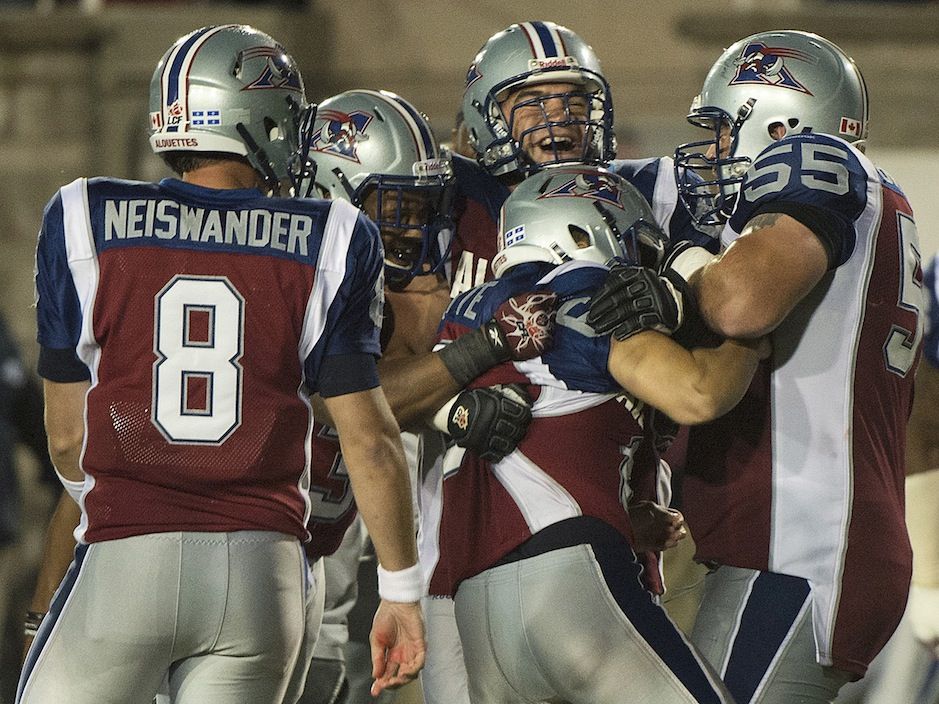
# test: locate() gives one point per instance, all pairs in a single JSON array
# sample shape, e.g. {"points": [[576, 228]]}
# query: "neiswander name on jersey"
{"points": [[169, 219]]}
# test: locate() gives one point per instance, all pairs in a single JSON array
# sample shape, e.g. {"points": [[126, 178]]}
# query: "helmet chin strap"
{"points": [[262, 163]]}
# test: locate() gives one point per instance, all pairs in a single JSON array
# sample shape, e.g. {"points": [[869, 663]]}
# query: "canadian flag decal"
{"points": [[851, 127]]}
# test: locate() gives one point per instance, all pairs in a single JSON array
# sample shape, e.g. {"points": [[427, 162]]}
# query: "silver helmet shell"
{"points": [[228, 89], [795, 80], [528, 53], [364, 141], [577, 213]]}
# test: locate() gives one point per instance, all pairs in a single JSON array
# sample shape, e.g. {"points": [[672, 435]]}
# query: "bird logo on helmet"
{"points": [[341, 133], [594, 185], [766, 65]]}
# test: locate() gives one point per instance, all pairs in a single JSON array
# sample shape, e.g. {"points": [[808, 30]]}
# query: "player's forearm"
{"points": [[379, 475], [725, 373], [65, 426], [416, 387], [58, 550], [689, 386]]}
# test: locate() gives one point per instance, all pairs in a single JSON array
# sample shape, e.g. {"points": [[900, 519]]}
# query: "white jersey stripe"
{"points": [[541, 500], [664, 193], [814, 371], [330, 273], [83, 265]]}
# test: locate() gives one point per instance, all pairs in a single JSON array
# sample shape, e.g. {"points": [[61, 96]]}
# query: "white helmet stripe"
{"points": [[544, 38], [421, 140], [175, 78]]}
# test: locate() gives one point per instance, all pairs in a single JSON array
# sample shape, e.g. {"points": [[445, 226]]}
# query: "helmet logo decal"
{"points": [[341, 133], [765, 65], [850, 127], [206, 117], [472, 75], [514, 236], [174, 114], [277, 71], [590, 185]]}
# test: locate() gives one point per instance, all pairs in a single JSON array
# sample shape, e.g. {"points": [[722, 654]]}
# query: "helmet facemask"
{"points": [[707, 171], [571, 126], [411, 213]]}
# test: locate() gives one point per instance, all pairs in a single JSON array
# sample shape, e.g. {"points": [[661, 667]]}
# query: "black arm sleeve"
{"points": [[825, 224], [62, 366], [347, 373], [28, 416]]}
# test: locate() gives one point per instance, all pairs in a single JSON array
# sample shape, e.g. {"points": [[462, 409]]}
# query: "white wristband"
{"points": [[441, 417], [690, 260], [405, 585]]}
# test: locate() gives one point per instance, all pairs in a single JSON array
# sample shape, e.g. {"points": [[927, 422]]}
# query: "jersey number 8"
{"points": [[198, 341]]}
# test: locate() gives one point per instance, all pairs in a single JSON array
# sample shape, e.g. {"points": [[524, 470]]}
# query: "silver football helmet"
{"points": [[529, 53], [577, 212], [375, 149], [228, 89], [787, 79]]}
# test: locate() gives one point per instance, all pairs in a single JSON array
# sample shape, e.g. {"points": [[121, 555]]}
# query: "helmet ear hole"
{"points": [[580, 236], [271, 129], [793, 122], [777, 130]]}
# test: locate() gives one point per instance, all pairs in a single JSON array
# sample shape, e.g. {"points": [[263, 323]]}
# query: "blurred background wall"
{"points": [[74, 77]]}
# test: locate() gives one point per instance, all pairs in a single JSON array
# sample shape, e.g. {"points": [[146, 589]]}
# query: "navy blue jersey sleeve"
{"points": [[58, 312], [816, 171], [578, 358], [356, 312], [656, 180], [931, 339]]}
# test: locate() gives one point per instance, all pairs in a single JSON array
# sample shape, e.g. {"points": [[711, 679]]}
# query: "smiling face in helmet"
{"points": [[549, 121]]}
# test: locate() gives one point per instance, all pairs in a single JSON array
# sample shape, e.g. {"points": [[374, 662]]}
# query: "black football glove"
{"points": [[490, 422], [633, 299]]}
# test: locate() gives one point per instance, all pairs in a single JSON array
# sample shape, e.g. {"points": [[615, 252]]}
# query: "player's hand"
{"points": [[490, 422], [924, 616], [398, 644], [656, 527], [633, 299]]}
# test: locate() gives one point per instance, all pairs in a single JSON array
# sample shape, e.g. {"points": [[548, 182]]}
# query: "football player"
{"points": [[374, 149], [795, 497], [536, 95], [550, 573], [182, 326]]}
